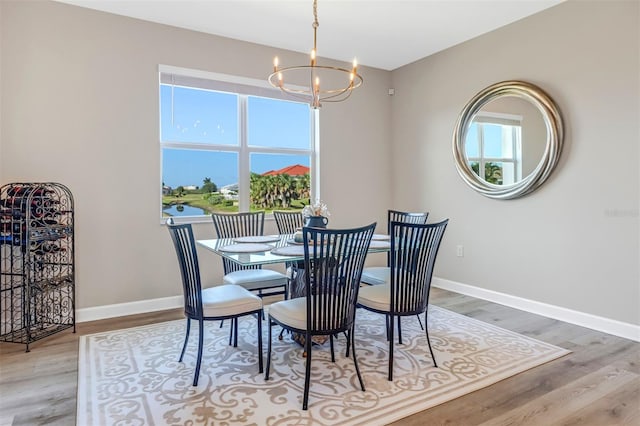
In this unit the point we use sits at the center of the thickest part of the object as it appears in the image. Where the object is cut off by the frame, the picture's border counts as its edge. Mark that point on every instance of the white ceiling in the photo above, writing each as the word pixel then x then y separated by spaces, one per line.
pixel 384 34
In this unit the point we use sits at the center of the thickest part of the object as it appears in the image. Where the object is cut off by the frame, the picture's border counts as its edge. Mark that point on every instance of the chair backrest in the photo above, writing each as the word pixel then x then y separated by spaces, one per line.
pixel 333 262
pixel 234 225
pixel 184 243
pixel 405 217
pixel 414 248
pixel 288 221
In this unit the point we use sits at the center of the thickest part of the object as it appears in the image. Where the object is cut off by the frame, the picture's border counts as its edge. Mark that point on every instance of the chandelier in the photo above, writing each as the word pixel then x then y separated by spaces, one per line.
pixel 325 83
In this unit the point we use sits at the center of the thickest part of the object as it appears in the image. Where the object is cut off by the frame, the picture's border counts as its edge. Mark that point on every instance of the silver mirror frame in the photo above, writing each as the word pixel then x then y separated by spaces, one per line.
pixel 555 136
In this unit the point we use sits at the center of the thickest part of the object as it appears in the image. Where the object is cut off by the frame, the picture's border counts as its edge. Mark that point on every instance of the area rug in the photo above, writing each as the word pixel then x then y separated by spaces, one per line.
pixel 132 376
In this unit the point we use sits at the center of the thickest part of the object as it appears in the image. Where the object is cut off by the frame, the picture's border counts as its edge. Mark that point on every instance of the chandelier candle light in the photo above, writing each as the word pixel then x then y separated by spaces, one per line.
pixel 316 93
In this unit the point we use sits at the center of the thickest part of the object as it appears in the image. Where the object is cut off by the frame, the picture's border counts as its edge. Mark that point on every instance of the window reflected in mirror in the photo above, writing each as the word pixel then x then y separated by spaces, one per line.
pixel 494 145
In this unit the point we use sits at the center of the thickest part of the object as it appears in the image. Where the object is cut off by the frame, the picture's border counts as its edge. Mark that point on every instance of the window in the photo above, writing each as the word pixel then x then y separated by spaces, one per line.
pixel 494 145
pixel 230 144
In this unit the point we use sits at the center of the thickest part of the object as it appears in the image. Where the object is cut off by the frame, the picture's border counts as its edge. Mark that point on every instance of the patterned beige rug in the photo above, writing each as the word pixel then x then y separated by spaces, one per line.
pixel 132 376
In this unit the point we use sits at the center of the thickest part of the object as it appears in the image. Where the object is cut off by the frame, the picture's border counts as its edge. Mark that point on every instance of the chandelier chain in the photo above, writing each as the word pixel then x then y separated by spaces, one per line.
pixel 315 24
pixel 315 14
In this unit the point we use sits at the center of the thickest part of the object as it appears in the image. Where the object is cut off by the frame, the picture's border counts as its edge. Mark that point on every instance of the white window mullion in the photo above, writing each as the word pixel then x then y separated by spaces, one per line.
pixel 315 158
pixel 482 163
pixel 268 150
pixel 245 163
pixel 517 151
pixel 201 147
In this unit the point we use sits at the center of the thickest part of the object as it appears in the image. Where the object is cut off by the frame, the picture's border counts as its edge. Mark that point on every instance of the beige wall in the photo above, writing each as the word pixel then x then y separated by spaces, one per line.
pixel 80 106
pixel 574 242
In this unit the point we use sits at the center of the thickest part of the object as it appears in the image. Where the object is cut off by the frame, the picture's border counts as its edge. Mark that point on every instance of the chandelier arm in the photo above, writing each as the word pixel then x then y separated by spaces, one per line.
pixel 299 96
pixel 358 80
pixel 332 97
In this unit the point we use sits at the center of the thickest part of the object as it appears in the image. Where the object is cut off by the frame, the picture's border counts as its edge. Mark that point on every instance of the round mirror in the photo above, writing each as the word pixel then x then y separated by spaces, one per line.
pixel 507 140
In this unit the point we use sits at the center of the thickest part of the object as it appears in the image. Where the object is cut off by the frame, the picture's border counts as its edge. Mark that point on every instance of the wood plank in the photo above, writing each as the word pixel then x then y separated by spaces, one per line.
pixel 552 407
pixel 506 395
pixel 621 407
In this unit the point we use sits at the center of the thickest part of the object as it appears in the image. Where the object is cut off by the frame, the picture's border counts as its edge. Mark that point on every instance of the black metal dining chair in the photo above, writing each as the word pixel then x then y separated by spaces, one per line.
pixel 414 248
pixel 333 262
pixel 376 275
pixel 210 304
pixel 288 221
pixel 254 278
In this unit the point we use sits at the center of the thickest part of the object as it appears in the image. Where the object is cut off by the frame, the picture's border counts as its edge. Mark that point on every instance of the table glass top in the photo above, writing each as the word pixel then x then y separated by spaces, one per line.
pixel 252 257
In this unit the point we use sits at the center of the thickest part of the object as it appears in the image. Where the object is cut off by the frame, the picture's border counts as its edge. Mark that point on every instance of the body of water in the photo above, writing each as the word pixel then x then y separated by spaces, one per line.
pixel 184 210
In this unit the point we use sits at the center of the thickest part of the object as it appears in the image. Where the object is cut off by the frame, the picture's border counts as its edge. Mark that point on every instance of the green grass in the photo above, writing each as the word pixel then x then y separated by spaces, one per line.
pixel 196 200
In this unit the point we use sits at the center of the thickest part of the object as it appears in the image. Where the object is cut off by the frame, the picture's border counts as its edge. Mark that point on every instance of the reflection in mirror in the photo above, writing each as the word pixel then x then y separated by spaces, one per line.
pixel 507 140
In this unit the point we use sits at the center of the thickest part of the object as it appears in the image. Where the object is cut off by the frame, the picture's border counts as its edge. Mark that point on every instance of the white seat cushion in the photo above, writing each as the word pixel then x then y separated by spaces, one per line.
pixel 375 297
pixel 292 312
pixel 224 300
pixel 254 279
pixel 376 275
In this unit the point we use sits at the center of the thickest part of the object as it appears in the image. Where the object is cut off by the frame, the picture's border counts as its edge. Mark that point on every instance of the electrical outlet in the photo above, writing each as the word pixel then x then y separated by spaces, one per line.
pixel 460 251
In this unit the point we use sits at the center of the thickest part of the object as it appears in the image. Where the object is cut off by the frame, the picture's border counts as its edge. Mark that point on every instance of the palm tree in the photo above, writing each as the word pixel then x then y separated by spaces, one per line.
pixel 493 173
pixel 259 188
pixel 283 189
pixel 208 186
pixel 304 187
pixel 277 191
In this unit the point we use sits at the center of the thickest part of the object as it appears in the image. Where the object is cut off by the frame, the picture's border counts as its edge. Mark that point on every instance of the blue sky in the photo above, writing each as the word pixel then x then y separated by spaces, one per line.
pixel 492 141
pixel 206 117
pixel 191 167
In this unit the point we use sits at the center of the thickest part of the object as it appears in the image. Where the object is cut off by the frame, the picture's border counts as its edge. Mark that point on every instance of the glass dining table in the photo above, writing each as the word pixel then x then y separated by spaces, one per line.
pixel 271 249
pixel 274 249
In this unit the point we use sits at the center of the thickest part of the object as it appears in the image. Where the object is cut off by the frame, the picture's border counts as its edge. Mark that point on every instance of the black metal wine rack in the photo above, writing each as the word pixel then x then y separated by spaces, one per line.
pixel 37 261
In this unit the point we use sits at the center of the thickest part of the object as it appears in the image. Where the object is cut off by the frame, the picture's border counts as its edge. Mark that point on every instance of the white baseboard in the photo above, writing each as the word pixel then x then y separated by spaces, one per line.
pixel 606 325
pixel 130 308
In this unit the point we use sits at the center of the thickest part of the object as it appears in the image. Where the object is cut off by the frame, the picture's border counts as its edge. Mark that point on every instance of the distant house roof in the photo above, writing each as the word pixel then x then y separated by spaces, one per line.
pixel 230 187
pixel 295 170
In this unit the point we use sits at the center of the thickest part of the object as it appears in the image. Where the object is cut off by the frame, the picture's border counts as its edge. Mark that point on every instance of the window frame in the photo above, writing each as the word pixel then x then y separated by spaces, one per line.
pixel 502 120
pixel 255 87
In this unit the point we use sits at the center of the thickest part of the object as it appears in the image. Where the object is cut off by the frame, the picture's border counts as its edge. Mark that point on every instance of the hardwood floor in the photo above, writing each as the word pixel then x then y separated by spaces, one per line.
pixel 597 384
